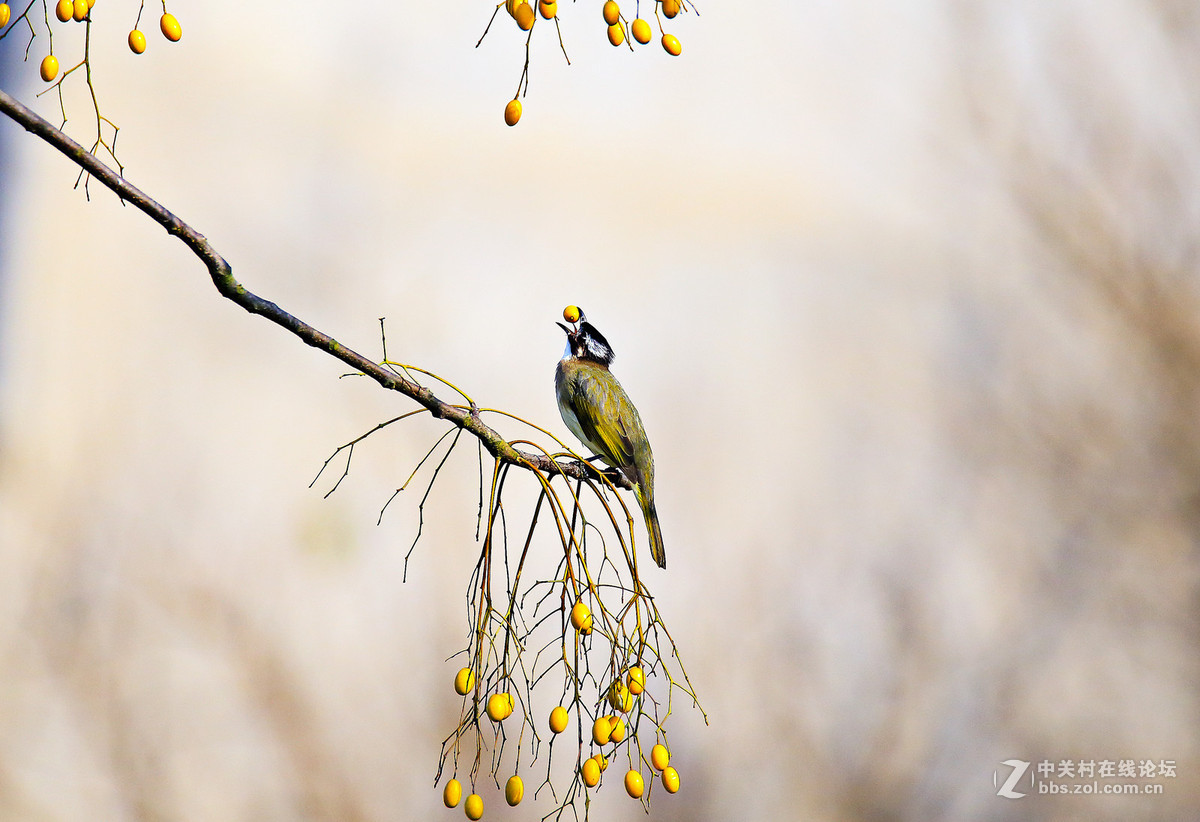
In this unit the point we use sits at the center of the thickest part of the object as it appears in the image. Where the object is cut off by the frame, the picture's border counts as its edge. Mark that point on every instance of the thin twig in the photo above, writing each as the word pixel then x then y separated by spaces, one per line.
pixel 221 274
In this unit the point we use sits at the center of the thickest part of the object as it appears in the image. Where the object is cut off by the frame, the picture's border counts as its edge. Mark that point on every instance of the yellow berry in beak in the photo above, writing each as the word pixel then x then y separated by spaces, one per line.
pixel 572 313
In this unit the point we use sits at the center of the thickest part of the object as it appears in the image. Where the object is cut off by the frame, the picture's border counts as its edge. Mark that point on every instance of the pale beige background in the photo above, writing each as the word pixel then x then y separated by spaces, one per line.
pixel 906 294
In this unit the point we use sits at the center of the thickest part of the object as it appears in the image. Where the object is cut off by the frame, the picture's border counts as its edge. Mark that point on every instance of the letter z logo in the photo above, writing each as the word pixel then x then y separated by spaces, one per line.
pixel 1019 766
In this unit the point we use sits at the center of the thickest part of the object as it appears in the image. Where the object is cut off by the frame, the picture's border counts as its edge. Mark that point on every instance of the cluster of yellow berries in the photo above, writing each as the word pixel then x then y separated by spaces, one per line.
pixel 76 10
pixel 167 24
pixel 499 708
pixel 79 11
pixel 514 792
pixel 522 12
pixel 610 729
pixel 639 28
pixel 635 784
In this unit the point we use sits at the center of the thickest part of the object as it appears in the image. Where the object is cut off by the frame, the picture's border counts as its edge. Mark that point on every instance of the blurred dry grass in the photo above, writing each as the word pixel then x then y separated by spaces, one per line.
pixel 907 297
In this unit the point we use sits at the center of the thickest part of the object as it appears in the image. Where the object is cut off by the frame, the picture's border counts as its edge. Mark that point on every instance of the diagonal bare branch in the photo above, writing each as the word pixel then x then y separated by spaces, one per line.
pixel 466 418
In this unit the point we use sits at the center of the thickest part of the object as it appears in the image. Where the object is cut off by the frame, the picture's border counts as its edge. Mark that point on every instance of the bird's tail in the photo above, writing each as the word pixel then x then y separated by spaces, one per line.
pixel 646 501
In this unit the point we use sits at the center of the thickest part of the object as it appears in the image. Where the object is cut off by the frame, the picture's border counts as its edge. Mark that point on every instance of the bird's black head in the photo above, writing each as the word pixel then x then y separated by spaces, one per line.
pixel 586 343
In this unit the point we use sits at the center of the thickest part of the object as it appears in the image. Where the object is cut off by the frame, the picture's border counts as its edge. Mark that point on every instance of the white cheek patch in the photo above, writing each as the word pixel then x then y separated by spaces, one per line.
pixel 598 350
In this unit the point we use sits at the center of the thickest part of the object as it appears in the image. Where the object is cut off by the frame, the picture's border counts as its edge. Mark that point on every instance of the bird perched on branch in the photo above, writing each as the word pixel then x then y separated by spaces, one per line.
pixel 599 412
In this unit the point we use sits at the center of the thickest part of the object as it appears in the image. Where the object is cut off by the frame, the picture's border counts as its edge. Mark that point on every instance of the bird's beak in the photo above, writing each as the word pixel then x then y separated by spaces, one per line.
pixel 574 326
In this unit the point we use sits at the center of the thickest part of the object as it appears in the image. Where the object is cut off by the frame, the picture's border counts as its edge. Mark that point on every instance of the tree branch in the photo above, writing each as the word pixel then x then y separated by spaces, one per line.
pixel 222 276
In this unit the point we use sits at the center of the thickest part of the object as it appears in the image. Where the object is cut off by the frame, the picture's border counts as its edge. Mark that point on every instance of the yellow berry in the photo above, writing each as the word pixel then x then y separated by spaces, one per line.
pixel 590 771
pixel 452 793
pixel 612 12
pixel 80 10
pixel 464 680
pixel 620 697
pixel 634 784
pixel 558 719
pixel 5 13
pixel 511 6
pixel 512 112
pixel 616 694
pixel 170 27
pixel 524 16
pixel 581 617
pixel 641 31
pixel 91 4
pixel 572 313
pixel 474 806
pixel 602 761
pixel 618 728
pixel 660 757
pixel 137 42
pixel 670 7
pixel 670 778
pixel 616 35
pixel 548 10
pixel 671 43
pixel 514 790
pixel 49 68
pixel 636 680
pixel 601 730
pixel 500 707
pixel 65 10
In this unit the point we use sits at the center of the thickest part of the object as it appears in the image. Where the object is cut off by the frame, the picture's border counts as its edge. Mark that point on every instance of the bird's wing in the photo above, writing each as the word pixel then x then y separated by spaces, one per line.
pixel 612 441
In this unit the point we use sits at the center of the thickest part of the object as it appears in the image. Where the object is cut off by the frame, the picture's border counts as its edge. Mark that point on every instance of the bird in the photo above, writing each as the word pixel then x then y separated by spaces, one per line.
pixel 597 410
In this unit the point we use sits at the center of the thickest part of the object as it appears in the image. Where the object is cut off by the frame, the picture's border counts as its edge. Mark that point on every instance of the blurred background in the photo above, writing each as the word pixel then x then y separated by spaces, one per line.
pixel 906 294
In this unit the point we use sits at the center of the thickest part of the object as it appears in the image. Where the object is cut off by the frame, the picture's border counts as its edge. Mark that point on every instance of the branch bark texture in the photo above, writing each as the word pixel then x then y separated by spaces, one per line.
pixel 222 277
